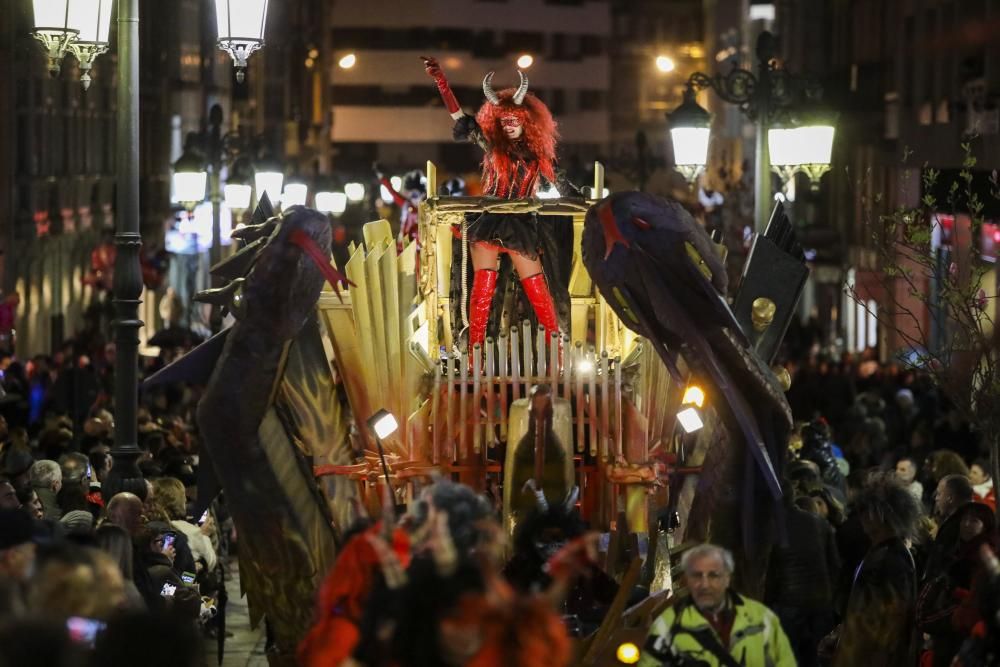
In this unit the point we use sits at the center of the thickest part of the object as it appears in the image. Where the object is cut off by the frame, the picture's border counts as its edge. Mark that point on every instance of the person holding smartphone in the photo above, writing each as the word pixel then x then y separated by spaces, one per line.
pixel 163 588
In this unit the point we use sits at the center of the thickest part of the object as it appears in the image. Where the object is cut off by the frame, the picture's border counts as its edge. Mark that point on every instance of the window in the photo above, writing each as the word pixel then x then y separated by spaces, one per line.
pixel 592 100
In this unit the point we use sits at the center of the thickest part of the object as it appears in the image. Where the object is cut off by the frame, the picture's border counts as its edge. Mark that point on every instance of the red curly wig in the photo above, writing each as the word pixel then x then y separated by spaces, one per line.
pixel 539 137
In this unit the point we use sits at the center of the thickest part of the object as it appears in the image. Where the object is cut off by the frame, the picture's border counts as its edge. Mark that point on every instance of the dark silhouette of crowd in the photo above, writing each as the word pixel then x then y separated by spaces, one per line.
pixel 91 580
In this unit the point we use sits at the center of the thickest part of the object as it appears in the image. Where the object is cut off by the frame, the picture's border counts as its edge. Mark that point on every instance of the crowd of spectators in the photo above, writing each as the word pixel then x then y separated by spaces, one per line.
pixel 91 579
pixel 889 517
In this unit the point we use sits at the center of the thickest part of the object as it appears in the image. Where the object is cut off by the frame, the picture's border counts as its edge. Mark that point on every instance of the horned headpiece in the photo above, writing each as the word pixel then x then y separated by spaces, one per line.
pixel 491 95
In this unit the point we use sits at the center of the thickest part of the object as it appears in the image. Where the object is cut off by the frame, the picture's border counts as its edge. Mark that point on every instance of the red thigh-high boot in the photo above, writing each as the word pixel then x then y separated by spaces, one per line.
pixel 537 291
pixel 484 283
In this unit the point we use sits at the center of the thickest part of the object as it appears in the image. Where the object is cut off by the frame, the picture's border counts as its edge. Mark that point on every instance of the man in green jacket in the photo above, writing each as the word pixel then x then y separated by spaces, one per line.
pixel 715 626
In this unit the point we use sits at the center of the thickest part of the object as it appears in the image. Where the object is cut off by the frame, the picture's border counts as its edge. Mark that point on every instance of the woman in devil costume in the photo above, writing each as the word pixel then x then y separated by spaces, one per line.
pixel 518 135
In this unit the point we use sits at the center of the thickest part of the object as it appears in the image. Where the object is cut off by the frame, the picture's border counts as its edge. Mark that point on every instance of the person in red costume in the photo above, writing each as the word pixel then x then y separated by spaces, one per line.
pixel 414 188
pixel 518 136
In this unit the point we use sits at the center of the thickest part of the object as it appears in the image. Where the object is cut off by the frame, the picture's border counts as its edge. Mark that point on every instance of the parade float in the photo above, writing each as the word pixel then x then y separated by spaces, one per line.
pixel 347 387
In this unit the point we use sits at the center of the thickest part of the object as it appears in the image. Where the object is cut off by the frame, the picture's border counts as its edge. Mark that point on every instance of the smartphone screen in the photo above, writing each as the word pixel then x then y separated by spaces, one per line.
pixel 187 577
pixel 83 630
pixel 168 590
pixel 168 540
pixel 203 519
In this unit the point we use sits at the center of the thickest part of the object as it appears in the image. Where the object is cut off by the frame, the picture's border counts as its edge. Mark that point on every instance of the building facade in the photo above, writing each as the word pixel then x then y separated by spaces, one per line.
pixel 385 108
pixel 913 80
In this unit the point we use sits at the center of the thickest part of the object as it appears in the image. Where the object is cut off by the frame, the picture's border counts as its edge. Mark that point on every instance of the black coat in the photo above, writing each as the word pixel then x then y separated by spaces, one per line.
pixel 803 574
pixel 880 624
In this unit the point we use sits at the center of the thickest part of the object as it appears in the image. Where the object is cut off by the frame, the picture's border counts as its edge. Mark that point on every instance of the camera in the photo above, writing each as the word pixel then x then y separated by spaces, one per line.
pixel 168 590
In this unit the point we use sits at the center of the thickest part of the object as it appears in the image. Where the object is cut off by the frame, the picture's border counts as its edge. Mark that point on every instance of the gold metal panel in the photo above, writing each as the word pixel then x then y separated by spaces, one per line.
pixel 519 423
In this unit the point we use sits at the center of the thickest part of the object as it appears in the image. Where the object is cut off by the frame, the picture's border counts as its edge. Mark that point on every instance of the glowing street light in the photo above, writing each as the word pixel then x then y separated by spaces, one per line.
pixel 241 29
pixel 690 133
pixel 665 64
pixel 331 202
pixel 295 194
pixel 190 177
pixel 355 191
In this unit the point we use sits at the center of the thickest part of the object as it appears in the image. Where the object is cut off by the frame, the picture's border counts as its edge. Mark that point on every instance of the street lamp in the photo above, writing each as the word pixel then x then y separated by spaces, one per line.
pixel 355 191
pixel 665 64
pixel 268 178
pixel 190 177
pixel 767 97
pixel 689 133
pixel 383 424
pixel 54 29
pixel 295 194
pixel 241 30
pixel 93 20
pixel 805 149
pixel 238 189
pixel 333 203
pixel 79 27
pixel 689 416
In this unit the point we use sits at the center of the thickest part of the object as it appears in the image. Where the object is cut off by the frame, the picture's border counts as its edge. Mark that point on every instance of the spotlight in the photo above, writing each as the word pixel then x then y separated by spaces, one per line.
pixel 627 653
pixel 383 423
pixel 690 420
pixel 693 395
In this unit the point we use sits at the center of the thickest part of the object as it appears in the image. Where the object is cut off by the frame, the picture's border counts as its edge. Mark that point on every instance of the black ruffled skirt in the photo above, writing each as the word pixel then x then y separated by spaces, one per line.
pixel 515 233
pixel 547 237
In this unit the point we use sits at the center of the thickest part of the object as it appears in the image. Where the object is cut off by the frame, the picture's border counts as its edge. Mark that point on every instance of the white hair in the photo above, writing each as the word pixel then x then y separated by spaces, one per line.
pixel 703 550
pixel 45 473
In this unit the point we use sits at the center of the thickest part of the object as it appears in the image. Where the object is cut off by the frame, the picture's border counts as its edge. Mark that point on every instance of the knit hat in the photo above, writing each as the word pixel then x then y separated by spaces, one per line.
pixel 16 461
pixel 16 527
pixel 78 522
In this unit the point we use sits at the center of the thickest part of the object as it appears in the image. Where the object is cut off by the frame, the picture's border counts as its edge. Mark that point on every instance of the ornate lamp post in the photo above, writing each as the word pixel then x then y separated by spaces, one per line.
pixel 241 29
pixel 125 474
pixel 92 40
pixel 767 98
pixel 79 27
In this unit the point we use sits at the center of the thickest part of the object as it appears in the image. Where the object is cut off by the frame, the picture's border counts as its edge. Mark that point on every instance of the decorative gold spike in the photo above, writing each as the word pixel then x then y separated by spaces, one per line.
pixel 784 378
pixel 698 260
pixel 763 313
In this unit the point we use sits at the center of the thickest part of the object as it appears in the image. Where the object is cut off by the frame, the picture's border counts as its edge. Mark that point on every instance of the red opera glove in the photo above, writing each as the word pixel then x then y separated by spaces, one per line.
pixel 434 70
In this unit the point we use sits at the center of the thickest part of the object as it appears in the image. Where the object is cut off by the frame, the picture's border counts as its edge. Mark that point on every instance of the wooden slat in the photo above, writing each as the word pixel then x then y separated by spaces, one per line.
pixel 435 422
pixel 477 356
pixel 540 352
pixel 504 373
pixel 463 374
pixel 619 447
pixel 515 362
pixel 490 398
pixel 592 404
pixel 554 363
pixel 449 379
pixel 580 398
pixel 529 365
pixel 603 429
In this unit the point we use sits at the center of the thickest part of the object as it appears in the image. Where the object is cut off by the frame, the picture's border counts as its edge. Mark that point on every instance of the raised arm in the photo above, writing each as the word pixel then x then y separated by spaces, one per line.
pixel 434 70
pixel 466 128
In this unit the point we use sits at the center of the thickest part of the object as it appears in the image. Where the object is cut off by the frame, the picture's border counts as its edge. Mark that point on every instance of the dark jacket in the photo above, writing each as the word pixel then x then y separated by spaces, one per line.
pixel 944 548
pixel 879 627
pixel 159 571
pixel 803 573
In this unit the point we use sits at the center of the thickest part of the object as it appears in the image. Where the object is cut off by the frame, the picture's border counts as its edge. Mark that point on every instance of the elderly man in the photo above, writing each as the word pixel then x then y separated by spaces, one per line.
pixel 46 478
pixel 716 625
